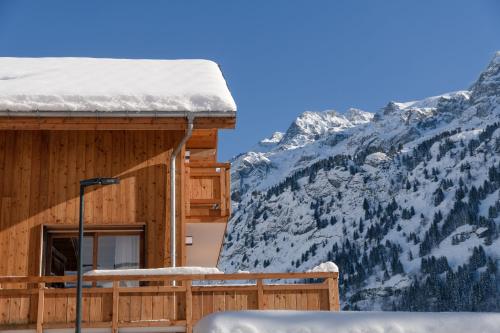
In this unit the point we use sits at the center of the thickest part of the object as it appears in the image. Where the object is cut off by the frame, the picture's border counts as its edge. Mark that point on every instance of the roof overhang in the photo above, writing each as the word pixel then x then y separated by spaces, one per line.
pixel 116 122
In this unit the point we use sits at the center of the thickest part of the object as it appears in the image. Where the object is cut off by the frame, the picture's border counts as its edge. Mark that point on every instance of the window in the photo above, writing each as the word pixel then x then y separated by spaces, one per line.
pixel 110 248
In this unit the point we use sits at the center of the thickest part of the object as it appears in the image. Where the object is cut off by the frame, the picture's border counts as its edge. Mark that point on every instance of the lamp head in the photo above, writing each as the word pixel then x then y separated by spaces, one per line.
pixel 99 181
pixel 110 181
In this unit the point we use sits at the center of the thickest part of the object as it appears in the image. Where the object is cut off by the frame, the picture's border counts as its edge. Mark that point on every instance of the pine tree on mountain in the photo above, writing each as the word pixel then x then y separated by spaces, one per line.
pixel 333 220
pixel 438 196
pixel 460 193
pixel 386 275
pixel 478 258
pixel 366 205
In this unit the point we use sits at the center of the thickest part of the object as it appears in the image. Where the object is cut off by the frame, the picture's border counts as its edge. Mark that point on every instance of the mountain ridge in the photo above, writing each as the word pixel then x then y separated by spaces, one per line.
pixel 406 200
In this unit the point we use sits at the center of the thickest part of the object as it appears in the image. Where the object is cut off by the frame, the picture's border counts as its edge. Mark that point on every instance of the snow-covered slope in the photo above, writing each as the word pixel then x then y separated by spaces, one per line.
pixel 405 200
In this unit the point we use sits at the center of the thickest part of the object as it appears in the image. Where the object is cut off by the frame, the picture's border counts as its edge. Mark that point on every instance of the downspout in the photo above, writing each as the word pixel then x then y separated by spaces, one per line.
pixel 173 242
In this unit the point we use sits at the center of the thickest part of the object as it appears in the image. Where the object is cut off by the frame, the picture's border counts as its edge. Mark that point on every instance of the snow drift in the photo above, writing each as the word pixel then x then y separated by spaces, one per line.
pixel 347 322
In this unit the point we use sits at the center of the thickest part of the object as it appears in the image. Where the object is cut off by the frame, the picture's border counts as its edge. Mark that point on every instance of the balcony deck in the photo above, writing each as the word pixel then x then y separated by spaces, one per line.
pixel 30 303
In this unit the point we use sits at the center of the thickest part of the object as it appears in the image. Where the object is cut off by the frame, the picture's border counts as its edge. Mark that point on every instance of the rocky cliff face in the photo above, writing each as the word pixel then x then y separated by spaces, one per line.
pixel 406 201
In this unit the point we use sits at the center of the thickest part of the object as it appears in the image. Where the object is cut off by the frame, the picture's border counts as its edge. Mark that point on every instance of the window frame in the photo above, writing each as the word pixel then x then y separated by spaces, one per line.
pixel 50 232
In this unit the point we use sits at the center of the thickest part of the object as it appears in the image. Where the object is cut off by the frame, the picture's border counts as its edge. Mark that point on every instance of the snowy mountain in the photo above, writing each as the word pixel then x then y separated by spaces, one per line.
pixel 405 200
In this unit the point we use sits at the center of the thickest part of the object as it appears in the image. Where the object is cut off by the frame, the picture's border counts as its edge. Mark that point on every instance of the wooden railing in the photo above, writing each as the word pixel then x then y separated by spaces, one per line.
pixel 30 302
pixel 208 192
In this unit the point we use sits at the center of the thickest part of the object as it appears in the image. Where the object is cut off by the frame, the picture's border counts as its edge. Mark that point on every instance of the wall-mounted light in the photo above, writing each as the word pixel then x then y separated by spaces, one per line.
pixel 189 240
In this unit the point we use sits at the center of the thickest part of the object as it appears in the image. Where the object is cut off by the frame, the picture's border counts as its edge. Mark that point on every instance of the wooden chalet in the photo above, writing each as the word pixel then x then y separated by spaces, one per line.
pixel 153 124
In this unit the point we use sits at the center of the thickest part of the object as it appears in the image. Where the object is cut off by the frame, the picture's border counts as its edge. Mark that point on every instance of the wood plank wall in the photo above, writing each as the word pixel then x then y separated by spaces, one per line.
pixel 39 184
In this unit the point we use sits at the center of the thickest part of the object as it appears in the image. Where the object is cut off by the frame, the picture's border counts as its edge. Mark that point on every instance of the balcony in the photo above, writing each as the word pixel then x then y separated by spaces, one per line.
pixel 208 192
pixel 30 303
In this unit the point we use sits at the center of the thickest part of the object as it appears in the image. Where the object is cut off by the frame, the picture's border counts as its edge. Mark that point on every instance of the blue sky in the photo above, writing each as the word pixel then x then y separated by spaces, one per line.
pixel 280 57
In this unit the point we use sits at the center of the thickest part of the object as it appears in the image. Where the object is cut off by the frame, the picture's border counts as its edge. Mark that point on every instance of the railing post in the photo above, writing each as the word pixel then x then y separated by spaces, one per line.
pixel 116 307
pixel 223 194
pixel 228 191
pixel 189 306
pixel 40 307
pixel 333 293
pixel 260 295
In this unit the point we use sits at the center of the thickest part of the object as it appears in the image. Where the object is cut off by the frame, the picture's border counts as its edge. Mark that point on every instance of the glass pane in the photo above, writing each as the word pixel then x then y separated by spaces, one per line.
pixel 64 256
pixel 118 252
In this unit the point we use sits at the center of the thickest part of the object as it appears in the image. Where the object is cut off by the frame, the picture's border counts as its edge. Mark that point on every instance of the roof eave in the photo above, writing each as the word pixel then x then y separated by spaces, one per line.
pixel 113 114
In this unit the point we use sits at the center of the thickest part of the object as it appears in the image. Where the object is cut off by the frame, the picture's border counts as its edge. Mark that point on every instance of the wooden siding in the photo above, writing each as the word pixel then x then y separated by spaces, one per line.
pixel 161 304
pixel 39 184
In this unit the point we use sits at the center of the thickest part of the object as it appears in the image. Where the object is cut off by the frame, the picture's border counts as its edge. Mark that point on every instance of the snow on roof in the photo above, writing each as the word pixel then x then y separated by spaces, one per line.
pixel 163 87
pixel 348 322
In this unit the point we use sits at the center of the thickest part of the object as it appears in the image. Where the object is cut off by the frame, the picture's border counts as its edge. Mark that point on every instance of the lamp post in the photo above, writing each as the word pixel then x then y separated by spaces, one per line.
pixel 83 184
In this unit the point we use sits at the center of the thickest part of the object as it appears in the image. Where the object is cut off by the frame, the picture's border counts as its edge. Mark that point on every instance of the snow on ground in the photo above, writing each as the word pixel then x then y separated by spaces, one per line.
pixel 156 271
pixel 112 85
pixel 348 322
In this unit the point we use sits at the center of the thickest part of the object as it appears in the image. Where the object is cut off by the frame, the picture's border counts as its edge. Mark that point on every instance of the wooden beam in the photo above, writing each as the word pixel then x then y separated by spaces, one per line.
pixel 18 292
pixel 209 165
pixel 94 324
pixel 331 294
pixel 156 323
pixel 334 287
pixel 260 295
pixel 205 201
pixel 223 195
pixel 227 287
pixel 228 192
pixel 206 219
pixel 116 307
pixel 189 307
pixel 301 286
pixel 40 308
pixel 152 289
pixel 179 277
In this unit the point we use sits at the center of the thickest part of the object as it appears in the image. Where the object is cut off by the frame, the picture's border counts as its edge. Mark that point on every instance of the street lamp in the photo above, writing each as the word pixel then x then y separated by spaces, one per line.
pixel 83 184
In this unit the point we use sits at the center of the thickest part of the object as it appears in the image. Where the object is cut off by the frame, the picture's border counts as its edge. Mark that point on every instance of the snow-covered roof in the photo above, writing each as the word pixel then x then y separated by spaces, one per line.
pixel 113 87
